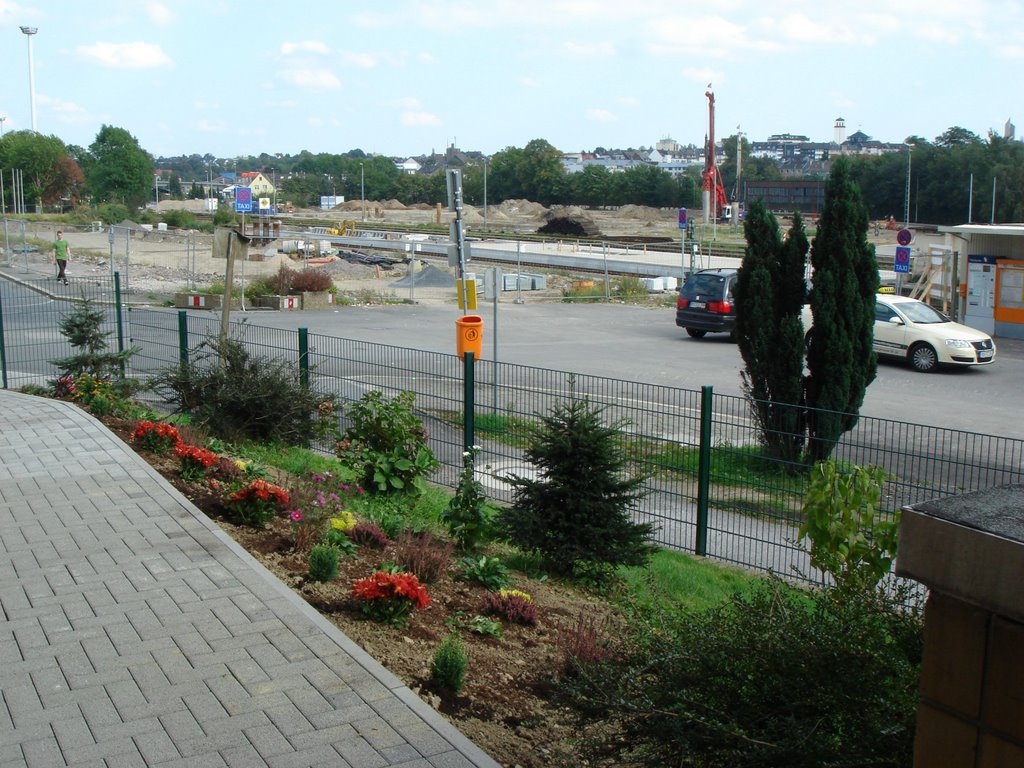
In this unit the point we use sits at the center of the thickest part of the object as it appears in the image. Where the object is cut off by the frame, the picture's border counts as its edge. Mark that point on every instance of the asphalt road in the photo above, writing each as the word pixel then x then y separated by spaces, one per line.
pixel 643 344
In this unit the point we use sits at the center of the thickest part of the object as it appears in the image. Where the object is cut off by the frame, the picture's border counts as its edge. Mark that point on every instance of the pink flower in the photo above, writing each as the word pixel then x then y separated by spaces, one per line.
pixel 295 515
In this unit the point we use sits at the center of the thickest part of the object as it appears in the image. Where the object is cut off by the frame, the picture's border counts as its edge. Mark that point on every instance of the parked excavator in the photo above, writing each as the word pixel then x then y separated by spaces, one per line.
pixel 343 228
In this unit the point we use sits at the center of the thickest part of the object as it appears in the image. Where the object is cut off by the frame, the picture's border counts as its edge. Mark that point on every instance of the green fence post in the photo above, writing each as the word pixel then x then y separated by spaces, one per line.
pixel 3 345
pixel 468 406
pixel 304 357
pixel 183 338
pixel 120 319
pixel 700 545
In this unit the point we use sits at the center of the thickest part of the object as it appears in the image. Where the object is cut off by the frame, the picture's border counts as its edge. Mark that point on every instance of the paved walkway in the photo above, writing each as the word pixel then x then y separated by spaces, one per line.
pixel 134 632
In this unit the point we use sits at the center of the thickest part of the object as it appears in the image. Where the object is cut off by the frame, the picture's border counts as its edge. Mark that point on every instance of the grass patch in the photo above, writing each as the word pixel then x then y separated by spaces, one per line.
pixel 296 461
pixel 673 581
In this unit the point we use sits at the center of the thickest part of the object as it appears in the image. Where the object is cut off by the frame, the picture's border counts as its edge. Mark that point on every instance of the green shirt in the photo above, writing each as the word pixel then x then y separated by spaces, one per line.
pixel 60 250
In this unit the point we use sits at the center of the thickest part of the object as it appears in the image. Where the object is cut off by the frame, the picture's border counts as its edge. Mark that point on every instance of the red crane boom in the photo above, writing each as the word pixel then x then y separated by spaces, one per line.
pixel 712 180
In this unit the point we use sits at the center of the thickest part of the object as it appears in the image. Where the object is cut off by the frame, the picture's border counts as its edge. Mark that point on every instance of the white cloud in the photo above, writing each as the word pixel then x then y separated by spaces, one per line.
pixel 529 82
pixel 602 50
pixel 315 122
pixel 126 55
pixel 406 102
pixel 65 111
pixel 210 126
pixel 601 115
pixel 206 104
pixel 420 118
pixel 360 60
pixel 305 46
pixel 312 79
pixel 159 14
pixel 629 101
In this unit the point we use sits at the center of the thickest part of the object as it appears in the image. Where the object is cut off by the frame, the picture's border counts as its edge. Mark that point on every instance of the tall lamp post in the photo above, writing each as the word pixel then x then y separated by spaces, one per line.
pixel 3 119
pixel 485 192
pixel 28 32
pixel 362 192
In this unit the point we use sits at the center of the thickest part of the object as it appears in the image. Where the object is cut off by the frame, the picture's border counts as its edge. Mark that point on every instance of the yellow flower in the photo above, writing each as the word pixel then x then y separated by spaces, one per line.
pixel 515 593
pixel 241 464
pixel 343 522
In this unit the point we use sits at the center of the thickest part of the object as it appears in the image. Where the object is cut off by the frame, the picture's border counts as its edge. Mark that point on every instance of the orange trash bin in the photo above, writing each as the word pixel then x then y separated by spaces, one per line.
pixel 469 335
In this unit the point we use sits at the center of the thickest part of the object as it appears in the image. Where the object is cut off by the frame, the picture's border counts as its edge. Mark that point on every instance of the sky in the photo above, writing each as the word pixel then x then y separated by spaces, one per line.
pixel 405 77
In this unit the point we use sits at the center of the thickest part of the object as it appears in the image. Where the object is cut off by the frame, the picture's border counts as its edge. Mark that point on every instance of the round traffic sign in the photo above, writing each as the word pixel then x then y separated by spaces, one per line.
pixel 904 236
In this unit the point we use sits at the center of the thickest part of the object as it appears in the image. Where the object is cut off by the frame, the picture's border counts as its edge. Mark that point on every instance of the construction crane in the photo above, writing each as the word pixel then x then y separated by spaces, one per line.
pixel 713 191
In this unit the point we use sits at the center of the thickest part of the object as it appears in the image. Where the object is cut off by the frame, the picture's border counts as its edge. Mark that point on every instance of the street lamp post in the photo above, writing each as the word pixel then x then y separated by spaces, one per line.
pixel 362 192
pixel 485 193
pixel 3 119
pixel 28 32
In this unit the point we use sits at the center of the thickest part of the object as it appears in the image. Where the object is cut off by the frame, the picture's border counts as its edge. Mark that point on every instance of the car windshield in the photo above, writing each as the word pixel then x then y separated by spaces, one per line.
pixel 919 312
pixel 703 285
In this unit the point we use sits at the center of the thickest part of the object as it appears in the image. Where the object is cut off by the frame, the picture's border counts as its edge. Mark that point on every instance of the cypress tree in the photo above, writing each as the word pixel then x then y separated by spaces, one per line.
pixel 840 359
pixel 769 297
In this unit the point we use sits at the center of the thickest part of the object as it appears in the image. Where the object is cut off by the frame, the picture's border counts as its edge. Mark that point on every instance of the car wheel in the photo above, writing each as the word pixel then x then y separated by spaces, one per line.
pixel 923 358
pixel 696 333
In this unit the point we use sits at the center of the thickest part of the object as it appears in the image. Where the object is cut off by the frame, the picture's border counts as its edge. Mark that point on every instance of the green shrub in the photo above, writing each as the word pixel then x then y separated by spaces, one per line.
pixel 386 443
pixel 239 396
pixel 849 540
pixel 323 563
pixel 776 677
pixel 467 516
pixel 224 217
pixel 578 509
pixel 111 213
pixel 180 219
pixel 630 287
pixel 448 668
pixel 488 572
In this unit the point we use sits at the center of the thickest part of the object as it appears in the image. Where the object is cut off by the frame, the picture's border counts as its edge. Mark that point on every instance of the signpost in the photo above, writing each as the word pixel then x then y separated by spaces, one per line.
pixel 243 200
pixel 901 264
pixel 902 261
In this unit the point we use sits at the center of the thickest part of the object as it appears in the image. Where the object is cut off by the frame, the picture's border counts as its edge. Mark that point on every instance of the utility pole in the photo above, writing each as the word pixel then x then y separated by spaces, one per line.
pixel 29 32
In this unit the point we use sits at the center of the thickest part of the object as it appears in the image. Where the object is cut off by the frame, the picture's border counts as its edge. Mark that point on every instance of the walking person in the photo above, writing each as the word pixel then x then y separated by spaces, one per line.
pixel 61 254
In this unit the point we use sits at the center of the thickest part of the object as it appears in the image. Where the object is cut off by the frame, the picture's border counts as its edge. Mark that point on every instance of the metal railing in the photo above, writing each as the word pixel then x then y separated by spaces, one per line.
pixel 709 488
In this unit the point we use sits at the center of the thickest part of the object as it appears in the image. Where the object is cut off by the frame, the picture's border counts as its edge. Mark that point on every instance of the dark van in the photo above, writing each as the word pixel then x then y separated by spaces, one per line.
pixel 705 303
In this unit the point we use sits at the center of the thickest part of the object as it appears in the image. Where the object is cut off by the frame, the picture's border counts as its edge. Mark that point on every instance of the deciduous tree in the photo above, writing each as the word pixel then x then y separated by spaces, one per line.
pixel 123 171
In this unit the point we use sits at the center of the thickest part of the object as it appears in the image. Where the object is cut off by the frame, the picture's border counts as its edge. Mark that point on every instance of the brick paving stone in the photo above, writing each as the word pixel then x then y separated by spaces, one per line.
pixel 137 633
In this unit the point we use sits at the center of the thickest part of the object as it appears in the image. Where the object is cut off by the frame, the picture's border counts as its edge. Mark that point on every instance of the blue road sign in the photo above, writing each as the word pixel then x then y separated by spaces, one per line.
pixel 682 218
pixel 902 261
pixel 243 200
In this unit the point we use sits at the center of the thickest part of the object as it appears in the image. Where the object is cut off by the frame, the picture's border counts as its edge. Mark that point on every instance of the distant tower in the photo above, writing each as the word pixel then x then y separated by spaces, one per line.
pixel 1009 130
pixel 839 131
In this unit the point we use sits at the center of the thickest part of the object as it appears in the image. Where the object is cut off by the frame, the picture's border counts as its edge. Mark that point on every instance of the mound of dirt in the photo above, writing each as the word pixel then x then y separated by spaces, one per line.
pixel 641 212
pixel 522 208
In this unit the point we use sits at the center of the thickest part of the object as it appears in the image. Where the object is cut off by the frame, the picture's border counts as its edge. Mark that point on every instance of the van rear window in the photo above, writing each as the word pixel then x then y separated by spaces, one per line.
pixel 704 285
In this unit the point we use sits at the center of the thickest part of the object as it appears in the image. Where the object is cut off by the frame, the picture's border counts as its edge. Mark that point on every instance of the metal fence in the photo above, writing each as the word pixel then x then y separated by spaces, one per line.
pixel 744 510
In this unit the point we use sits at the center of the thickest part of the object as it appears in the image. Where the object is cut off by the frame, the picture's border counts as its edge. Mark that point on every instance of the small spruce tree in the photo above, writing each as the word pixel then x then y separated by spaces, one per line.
pixel 82 327
pixel 577 512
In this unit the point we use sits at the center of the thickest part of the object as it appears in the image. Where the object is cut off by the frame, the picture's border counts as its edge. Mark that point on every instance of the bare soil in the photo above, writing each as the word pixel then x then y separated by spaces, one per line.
pixel 506 705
